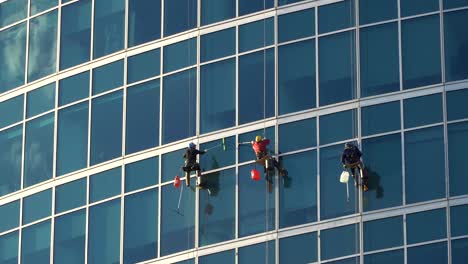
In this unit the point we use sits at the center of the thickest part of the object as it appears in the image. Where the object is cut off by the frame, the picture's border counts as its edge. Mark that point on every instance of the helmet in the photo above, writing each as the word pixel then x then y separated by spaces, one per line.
pixel 258 138
pixel 348 145
pixel 191 145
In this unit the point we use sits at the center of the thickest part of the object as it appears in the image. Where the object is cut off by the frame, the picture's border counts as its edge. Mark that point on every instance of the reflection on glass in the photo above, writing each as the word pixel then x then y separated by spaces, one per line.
pixel 458 216
pixel 456 101
pixel 296 25
pixel 11 144
pixel 338 126
pixel 38 150
pixel 459 251
pixel 251 6
pixel 373 123
pixel 9 248
pixel 12 11
pixel 455 45
pixel 180 55
pixel 72 138
pixel 371 11
pixel 390 228
pixel 225 257
pixel 389 257
pixel 12 111
pixel 437 253
pixel 35 243
pixel 73 88
pixel 144 65
pixel 339 241
pixel 174 22
pixel 141 227
pixel 411 7
pixel 297 135
pixel 70 195
pixel 38 6
pixel 42 46
pixel 141 14
pixel 420 226
pixel 11 210
pixel 141 174
pixel 105 184
pixel 299 249
pixel 336 16
pixel 417 112
pixel 218 44
pixel 104 233
pixel 69 238
pixel 217 207
pixel 75 34
pixel 12 54
pixel 249 38
pixel 108 77
pixel 252 204
pixel 298 192
pixel 109 27
pixel 253 84
pixel 40 100
pixel 37 206
pixel 258 253
pixel 217 10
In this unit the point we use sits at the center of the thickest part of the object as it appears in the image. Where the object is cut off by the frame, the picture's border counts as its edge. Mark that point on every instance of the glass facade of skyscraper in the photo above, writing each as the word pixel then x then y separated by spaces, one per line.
pixel 100 98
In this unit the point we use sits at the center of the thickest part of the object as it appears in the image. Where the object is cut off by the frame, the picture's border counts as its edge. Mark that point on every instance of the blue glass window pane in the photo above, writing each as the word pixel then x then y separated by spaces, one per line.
pixel 104 233
pixel 299 249
pixel 455 3
pixel 336 16
pixel 337 68
pixel 373 121
pixel 142 122
pixel 389 228
pixel 12 41
pixel 218 157
pixel 296 77
pixel 109 27
pixel 12 11
pixel 249 38
pixel 217 213
pixel 75 34
pixel 11 143
pixel 35 244
pixel 180 55
pixel 179 106
pixel 246 152
pixel 252 86
pixel 38 6
pixel 257 253
pixel 226 257
pixel 251 6
pixel 72 138
pixel 458 216
pixel 144 65
pixel 420 226
pixel 297 135
pixel 437 253
pixel 69 238
pixel 429 169
pixel 455 45
pixel 298 198
pixel 296 25
pixel 9 248
pixel 141 227
pixel 73 88
pixel 174 22
pixel 42 46
pixel 106 128
pixel 390 257
pixel 171 164
pixel 332 193
pixel 12 111
pixel 456 102
pixel 144 21
pixel 11 210
pixel 338 126
pixel 108 77
pixel 385 181
pixel 380 70
pixel 422 110
pixel 285 2
pixel 40 100
pixel 218 96
pixel 177 223
pixel 252 204
pixel 459 251
pixel 457 145
pixel 217 10
pixel 38 150
pixel 218 44
pixel 141 174
pixel 70 195
pixel 188 261
pixel 371 11
pixel 37 206
pixel 340 241
pixel 412 7
pixel 420 46
pixel 105 184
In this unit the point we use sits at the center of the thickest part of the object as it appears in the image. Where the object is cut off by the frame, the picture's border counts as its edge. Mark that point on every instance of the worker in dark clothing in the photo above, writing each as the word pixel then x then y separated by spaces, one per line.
pixel 259 146
pixel 351 159
pixel 191 163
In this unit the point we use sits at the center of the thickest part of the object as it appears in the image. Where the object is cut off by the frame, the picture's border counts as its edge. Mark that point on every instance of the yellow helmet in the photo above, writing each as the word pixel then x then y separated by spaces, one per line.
pixel 258 138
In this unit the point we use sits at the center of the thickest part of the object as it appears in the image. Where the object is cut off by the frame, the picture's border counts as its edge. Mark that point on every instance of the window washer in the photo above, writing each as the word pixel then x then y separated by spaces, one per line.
pixel 351 159
pixel 191 163
pixel 259 146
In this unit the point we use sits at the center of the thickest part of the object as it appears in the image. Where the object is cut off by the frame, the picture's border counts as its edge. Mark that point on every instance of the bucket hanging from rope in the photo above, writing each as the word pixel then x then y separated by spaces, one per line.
pixel 255 175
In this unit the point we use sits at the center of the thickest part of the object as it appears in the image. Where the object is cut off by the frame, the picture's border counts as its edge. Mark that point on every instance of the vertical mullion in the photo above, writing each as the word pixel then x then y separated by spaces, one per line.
pixel 122 212
pixel 404 240
pixel 400 51
pixel 59 34
pixel 237 76
pixel 91 51
pixel 126 26
pixel 20 229
pixel 442 41
pixel 26 65
pixel 159 208
pixel 87 220
pixel 52 226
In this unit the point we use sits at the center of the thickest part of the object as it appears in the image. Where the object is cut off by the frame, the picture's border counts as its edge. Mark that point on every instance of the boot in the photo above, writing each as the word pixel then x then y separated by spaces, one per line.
pixel 187 178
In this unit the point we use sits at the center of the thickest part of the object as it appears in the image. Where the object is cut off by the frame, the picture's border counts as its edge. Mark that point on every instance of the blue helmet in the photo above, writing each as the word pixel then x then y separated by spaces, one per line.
pixel 191 145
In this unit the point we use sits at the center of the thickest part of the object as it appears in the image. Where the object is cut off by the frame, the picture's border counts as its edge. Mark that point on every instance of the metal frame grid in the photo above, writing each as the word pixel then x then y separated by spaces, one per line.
pixel 275 235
